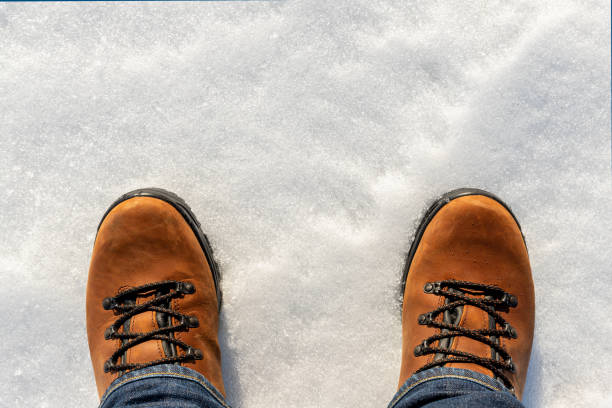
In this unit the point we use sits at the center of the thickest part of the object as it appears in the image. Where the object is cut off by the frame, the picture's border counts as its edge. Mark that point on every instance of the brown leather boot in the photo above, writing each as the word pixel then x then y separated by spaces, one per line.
pixel 468 291
pixel 153 290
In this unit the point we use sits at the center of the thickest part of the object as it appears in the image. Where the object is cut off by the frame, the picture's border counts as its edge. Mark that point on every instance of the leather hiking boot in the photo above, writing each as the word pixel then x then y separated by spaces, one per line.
pixel 153 290
pixel 468 292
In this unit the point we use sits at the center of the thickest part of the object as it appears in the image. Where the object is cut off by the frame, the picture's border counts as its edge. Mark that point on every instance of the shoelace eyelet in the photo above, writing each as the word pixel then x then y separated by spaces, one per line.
pixel 425 319
pixel 511 331
pixel 109 303
pixel 510 300
pixel 194 353
pixel 186 288
pixel 432 287
pixel 109 332
pixel 511 366
pixel 193 322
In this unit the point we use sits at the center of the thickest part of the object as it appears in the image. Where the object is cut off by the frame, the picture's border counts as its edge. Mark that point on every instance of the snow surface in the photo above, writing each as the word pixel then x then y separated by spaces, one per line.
pixel 308 137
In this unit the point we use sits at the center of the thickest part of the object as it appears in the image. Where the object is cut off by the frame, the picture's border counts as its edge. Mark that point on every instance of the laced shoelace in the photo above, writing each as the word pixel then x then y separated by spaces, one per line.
pixel 490 298
pixel 125 307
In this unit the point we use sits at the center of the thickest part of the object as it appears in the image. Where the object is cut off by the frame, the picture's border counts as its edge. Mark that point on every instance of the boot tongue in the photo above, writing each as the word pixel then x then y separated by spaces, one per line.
pixel 469 317
pixel 149 350
pixel 453 318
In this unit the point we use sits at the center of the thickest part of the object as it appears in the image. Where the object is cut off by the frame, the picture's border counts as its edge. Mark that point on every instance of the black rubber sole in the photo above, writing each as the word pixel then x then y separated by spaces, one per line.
pixel 433 210
pixel 182 207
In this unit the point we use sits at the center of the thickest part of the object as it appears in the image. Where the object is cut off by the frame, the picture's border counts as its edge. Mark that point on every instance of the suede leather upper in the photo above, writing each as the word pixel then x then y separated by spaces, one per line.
pixel 471 238
pixel 144 240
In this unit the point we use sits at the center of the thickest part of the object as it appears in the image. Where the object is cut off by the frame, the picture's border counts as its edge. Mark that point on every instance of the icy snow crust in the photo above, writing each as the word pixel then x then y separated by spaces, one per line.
pixel 308 137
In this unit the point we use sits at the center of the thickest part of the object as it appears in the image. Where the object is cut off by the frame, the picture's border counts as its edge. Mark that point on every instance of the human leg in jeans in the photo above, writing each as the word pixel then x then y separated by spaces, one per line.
pixel 468 312
pixel 153 306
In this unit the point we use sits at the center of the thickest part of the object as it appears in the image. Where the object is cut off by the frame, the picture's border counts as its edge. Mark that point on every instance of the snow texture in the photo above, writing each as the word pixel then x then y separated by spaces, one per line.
pixel 308 137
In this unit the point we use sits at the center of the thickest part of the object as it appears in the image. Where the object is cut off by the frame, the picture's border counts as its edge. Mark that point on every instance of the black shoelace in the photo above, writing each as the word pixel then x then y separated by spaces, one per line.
pixel 489 298
pixel 124 305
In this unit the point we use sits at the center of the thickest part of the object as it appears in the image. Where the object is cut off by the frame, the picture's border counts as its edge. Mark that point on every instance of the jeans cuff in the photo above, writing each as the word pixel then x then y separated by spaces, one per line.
pixel 437 373
pixel 164 370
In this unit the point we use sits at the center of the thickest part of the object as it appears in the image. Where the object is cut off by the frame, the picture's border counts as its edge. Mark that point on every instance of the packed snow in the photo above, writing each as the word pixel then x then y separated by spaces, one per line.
pixel 308 137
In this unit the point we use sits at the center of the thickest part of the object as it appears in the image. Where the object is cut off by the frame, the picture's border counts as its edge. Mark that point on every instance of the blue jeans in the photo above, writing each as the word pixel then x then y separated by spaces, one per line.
pixel 172 386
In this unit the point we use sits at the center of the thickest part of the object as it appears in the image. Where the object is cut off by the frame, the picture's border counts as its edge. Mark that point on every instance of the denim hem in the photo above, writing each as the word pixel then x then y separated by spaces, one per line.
pixel 436 373
pixel 164 370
